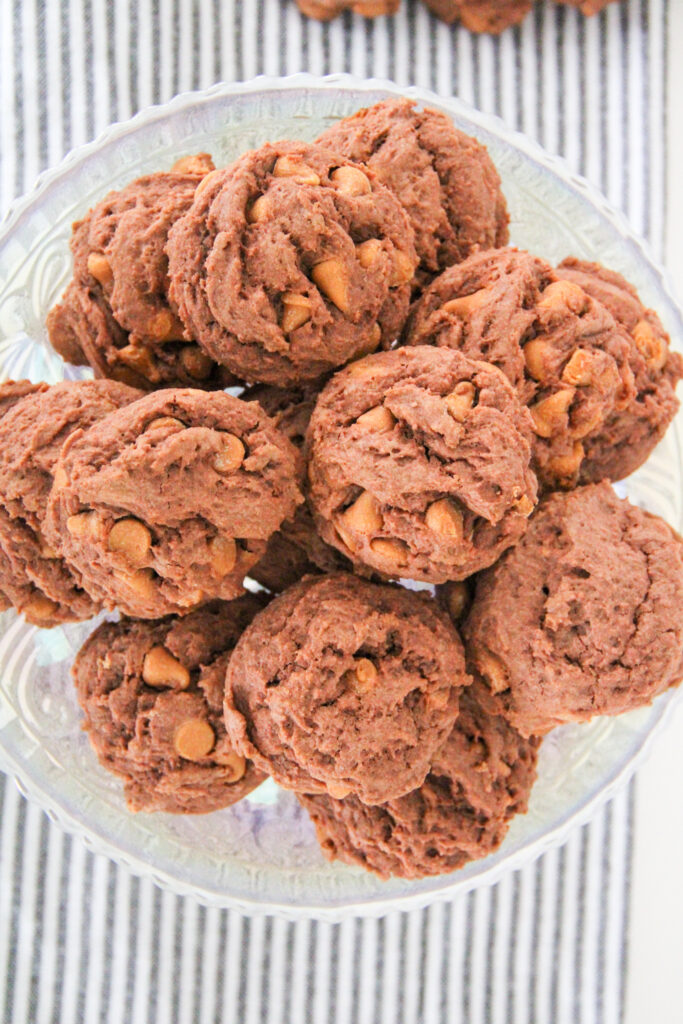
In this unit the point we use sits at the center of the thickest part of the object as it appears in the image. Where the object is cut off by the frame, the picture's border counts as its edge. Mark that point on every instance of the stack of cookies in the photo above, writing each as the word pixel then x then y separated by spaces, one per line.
pixel 410 400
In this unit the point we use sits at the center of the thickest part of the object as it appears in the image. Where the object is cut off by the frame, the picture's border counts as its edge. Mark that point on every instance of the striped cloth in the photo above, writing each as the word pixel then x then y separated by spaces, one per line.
pixel 82 940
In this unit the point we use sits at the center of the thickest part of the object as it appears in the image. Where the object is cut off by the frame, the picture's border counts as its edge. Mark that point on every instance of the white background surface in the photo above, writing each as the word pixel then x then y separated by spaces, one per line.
pixel 655 976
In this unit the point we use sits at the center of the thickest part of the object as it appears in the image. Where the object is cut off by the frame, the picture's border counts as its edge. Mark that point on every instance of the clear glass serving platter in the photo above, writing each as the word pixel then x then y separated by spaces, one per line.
pixel 261 856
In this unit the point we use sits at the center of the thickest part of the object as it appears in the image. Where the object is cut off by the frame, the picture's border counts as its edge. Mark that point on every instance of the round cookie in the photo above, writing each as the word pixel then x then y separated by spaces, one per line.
pixel 491 16
pixel 419 464
pixel 169 503
pixel 152 696
pixel 115 314
pixel 584 617
pixel 629 436
pixel 479 780
pixel 296 549
pixel 324 10
pixel 290 263
pixel 570 361
pixel 345 686
pixel 33 430
pixel 444 179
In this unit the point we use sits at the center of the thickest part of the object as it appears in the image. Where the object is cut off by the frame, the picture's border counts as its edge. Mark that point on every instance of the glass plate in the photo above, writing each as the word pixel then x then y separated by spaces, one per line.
pixel 261 856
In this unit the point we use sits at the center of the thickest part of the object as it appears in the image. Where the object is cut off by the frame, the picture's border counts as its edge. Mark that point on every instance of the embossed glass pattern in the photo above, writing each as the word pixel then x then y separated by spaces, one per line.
pixel 261 856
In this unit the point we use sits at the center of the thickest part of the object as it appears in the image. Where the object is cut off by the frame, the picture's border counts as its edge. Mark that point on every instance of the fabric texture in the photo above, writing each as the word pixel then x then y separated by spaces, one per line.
pixel 81 939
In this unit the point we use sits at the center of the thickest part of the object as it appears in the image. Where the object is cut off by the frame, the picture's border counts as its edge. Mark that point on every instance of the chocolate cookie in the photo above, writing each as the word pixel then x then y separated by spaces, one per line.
pixel 296 549
pixel 491 16
pixel 115 315
pixel 571 362
pixel 324 10
pixel 444 179
pixel 419 464
pixel 152 695
pixel 629 435
pixel 344 686
pixel 584 617
pixel 290 263
pixel 168 504
pixel 479 780
pixel 33 430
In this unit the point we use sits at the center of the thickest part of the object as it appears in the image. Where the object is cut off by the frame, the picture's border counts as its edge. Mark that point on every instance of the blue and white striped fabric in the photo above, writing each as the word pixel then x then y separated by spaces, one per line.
pixel 81 939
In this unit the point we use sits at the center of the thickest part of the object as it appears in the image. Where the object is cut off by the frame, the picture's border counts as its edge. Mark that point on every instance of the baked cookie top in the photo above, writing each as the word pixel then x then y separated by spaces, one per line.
pixel 478 780
pixel 170 503
pixel 600 396
pixel 444 179
pixel 584 617
pixel 419 464
pixel 290 263
pixel 344 686
pixel 152 697
pixel 115 314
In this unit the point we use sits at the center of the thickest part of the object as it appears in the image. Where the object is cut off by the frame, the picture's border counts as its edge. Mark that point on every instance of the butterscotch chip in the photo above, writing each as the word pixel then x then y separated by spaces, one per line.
pixel 175 521
pixel 152 696
pixel 166 423
pixel 550 414
pixel 196 163
pixel 444 179
pixel 444 518
pixel 480 778
pixel 447 490
pixel 337 700
pixel 265 270
pixel 587 576
pixel 351 181
pixel 100 268
pixel 332 280
pixel 231 455
pixel 160 668
pixel 300 172
pixel 194 739
pixel 366 674
pixel 364 515
pixel 223 555
pixel 115 315
pixel 296 311
pixel 130 538
pixel 379 419
pixel 461 400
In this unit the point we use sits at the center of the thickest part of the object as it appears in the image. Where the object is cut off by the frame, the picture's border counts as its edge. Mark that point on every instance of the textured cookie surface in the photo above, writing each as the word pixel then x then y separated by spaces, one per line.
pixel 33 430
pixel 344 686
pixel 419 464
pixel 115 314
pixel 290 263
pixel 169 503
pixel 598 408
pixel 152 695
pixel 629 435
pixel 444 179
pixel 479 779
pixel 585 616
